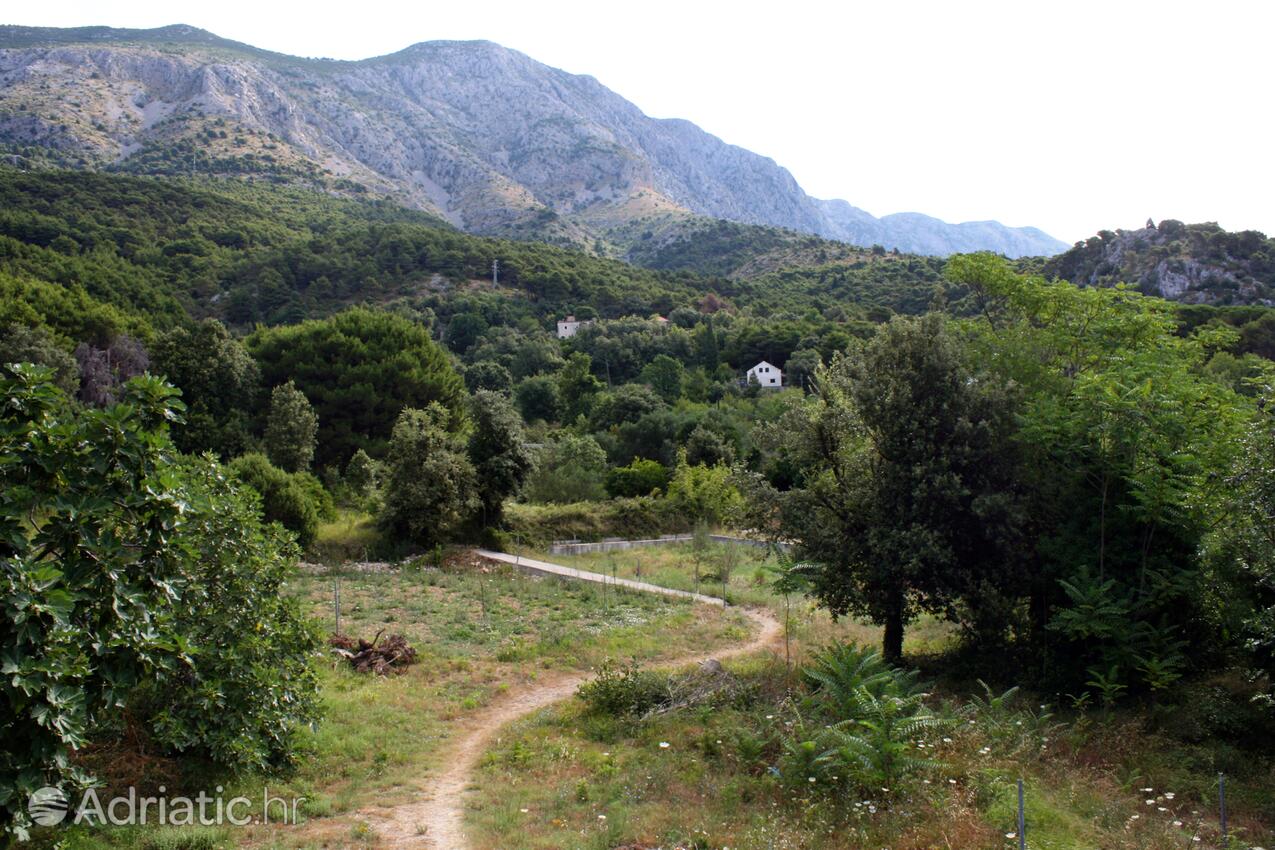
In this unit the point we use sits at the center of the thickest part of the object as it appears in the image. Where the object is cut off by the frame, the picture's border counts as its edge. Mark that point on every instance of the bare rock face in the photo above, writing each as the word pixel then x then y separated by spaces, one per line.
pixel 1192 263
pixel 484 136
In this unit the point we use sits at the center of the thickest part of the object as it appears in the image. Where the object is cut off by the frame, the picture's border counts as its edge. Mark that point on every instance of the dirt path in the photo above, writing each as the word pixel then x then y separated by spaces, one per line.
pixel 436 820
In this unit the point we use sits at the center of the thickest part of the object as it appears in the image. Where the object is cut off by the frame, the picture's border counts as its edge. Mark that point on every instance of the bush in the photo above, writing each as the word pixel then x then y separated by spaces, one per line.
pixel 248 686
pixel 629 518
pixel 875 713
pixel 141 572
pixel 639 478
pixel 705 493
pixel 297 501
pixel 570 469
pixel 624 690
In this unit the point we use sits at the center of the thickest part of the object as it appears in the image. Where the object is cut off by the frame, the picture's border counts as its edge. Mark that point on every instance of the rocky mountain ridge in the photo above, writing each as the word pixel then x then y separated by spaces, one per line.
pixel 481 135
pixel 1191 263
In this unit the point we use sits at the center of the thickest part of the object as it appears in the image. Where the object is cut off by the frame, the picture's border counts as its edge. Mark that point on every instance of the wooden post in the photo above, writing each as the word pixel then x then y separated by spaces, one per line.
pixel 1022 819
pixel 1221 801
pixel 336 603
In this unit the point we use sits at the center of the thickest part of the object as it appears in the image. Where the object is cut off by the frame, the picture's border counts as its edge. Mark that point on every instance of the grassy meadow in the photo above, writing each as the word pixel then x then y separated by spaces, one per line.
pixel 706 776
pixel 479 629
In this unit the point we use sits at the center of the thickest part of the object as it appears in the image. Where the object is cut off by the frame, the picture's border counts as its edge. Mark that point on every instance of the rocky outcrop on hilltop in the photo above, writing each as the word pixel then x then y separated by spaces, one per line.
pixel 1192 263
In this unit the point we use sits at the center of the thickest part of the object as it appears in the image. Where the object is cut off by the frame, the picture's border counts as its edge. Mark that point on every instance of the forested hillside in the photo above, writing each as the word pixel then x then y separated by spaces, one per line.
pixel 168 249
pixel 1192 263
pixel 484 136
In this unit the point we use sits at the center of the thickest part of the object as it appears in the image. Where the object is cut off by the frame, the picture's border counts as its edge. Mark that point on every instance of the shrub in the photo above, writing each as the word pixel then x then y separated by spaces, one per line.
pixel 875 712
pixel 142 571
pixel 570 469
pixel 639 478
pixel 248 686
pixel 704 493
pixel 296 501
pixel 638 517
pixel 624 690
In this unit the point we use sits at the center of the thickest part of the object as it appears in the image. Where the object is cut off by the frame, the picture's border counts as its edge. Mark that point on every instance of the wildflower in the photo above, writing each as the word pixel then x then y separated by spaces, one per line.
pixel 812 779
pixel 1168 795
pixel 1011 835
pixel 951 781
pixel 663 745
pixel 1150 802
pixel 1161 809
pixel 947 740
pixel 1134 817
pixel 1177 823
pixel 1148 790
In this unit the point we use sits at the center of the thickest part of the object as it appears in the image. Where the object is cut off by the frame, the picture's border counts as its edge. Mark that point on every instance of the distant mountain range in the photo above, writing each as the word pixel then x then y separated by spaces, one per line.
pixel 483 136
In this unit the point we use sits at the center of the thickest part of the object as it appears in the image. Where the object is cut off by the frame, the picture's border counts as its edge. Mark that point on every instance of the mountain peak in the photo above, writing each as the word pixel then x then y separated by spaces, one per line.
pixel 481 134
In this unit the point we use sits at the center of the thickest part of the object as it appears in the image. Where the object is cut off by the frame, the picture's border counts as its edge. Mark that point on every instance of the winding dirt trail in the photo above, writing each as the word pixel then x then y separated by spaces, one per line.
pixel 435 821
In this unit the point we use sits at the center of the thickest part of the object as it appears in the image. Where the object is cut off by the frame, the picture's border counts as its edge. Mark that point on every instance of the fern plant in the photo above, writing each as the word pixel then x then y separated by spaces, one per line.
pixel 877 749
pixel 840 671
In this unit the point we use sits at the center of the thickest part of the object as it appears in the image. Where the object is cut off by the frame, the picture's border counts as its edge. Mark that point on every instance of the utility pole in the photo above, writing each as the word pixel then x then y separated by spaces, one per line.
pixel 495 272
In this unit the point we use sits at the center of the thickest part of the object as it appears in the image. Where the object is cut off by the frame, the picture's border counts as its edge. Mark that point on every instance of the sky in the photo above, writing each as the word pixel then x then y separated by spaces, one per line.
pixel 1071 116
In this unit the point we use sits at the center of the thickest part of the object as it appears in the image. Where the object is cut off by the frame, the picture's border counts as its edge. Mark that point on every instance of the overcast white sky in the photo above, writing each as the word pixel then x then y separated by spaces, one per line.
pixel 1072 116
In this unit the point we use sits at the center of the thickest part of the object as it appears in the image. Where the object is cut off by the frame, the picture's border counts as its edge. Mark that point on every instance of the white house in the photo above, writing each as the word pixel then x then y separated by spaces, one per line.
pixel 766 375
pixel 569 326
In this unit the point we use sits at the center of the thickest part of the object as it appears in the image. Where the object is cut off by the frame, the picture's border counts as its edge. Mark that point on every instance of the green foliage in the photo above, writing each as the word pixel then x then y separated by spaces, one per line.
pixel 625 404
pixel 639 478
pixel 838 672
pixel 664 375
pixel 359 369
pixel 291 427
pixel 704 493
pixel 126 569
pixel 624 690
pixel 498 451
pixel 297 501
pixel 272 254
pixel 569 469
pixel 539 399
pixel 220 384
pixel 362 474
pixel 1243 549
pixel 22 344
pixel 431 487
pixel 1125 431
pixel 248 687
pixel 875 715
pixel 90 500
pixel 577 385
pixel 907 496
pixel 641 516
